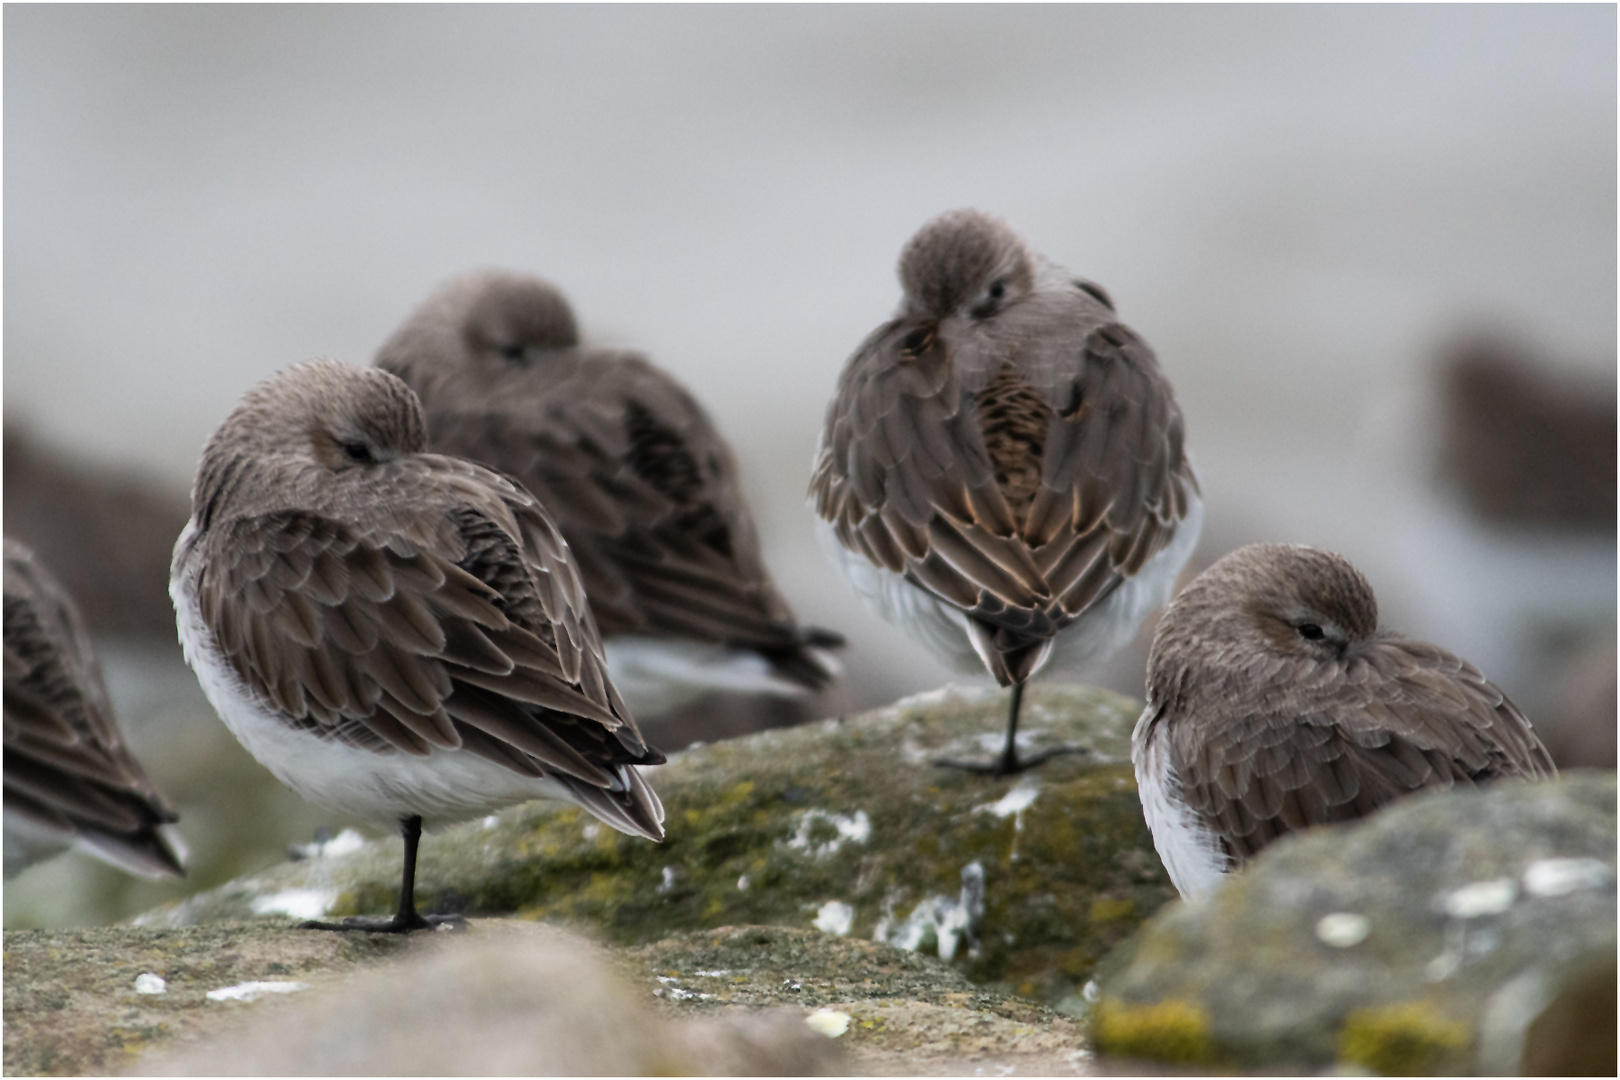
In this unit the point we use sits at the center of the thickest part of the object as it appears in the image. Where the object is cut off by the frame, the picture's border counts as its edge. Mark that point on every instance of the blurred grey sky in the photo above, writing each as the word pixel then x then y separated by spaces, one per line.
pixel 1294 205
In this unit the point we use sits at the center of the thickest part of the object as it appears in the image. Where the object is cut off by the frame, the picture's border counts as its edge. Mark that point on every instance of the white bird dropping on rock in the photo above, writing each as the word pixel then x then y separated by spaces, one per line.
pixel 828 1022
pixel 252 991
pixel 1343 929
pixel 148 983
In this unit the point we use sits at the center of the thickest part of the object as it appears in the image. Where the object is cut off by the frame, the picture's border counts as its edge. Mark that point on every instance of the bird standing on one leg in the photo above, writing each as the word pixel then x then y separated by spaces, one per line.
pixel 636 475
pixel 1275 703
pixel 69 779
pixel 401 637
pixel 1002 472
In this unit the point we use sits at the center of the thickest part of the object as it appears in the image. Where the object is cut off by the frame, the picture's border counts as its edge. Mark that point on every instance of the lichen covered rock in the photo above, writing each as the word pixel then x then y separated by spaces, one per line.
pixel 1449 933
pixel 893 1012
pixel 844 826
pixel 92 1001
pixel 506 997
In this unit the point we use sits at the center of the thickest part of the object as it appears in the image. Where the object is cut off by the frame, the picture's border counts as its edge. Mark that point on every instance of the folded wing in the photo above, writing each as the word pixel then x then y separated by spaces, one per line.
pixel 1018 475
pixel 470 633
pixel 67 769
pixel 1401 717
pixel 647 493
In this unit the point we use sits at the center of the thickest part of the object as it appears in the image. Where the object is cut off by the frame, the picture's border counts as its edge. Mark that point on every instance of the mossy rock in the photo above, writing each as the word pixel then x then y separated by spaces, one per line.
pixel 1174 1031
pixel 1449 933
pixel 843 825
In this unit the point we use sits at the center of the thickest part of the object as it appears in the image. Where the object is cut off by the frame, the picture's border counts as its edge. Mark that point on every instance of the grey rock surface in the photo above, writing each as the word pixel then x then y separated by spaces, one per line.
pixel 906 1014
pixel 843 826
pixel 506 997
pixel 1449 933
pixel 93 1001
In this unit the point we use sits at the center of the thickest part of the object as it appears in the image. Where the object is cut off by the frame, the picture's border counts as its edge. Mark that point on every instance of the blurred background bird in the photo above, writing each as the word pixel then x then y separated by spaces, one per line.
pixel 69 779
pixel 1308 208
pixel 637 477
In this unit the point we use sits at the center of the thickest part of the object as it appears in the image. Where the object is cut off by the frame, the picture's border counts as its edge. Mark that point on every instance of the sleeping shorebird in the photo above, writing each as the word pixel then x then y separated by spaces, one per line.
pixel 398 636
pixel 69 779
pixel 1274 703
pixel 637 477
pixel 1001 473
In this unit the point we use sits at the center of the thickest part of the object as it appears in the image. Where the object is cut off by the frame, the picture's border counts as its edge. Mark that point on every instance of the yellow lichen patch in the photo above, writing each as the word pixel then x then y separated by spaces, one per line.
pixel 1172 1031
pixel 1410 1039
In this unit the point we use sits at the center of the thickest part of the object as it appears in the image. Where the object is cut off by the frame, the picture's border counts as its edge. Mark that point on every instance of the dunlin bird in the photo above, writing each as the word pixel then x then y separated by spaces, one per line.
pixel 399 636
pixel 636 475
pixel 69 779
pixel 1274 702
pixel 1002 473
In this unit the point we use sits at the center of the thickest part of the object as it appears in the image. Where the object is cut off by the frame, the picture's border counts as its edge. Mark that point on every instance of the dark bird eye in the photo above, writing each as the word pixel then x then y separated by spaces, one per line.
pixel 993 296
pixel 512 352
pixel 918 340
pixel 1310 631
pixel 358 452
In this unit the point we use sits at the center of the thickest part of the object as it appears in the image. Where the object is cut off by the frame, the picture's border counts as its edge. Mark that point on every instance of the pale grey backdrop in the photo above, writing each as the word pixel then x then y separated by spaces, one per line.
pixel 1294 205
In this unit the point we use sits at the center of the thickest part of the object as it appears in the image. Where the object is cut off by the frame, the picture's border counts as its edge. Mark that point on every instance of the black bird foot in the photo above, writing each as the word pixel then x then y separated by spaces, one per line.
pixel 453 924
pixel 1009 764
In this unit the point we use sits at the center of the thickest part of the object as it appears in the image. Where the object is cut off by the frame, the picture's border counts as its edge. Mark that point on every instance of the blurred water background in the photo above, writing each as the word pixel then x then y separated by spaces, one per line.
pixel 1374 248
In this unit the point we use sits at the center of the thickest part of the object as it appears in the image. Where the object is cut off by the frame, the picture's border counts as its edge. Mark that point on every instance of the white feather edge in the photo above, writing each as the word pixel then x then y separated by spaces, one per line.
pixel 1187 848
pixel 656 675
pixel 942 628
pixel 29 841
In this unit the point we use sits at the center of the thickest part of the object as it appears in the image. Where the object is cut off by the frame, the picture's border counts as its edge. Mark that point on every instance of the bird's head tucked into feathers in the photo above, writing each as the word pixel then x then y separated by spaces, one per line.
pixel 488 321
pixel 322 414
pixel 511 317
pixel 964 260
pixel 1287 601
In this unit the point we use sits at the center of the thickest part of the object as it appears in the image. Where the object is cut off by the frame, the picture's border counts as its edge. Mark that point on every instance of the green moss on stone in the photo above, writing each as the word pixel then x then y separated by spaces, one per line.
pixel 1174 1031
pixel 1409 1039
pixel 770 828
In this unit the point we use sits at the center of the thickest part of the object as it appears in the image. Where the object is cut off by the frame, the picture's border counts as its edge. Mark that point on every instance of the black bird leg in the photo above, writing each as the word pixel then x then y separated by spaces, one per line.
pixel 406 918
pixel 1009 763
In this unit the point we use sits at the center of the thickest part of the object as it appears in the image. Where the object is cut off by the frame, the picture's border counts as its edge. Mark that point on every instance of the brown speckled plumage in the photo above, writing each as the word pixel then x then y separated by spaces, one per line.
pixel 1004 443
pixel 399 601
pixel 634 471
pixel 929 461
pixel 68 773
pixel 1280 703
